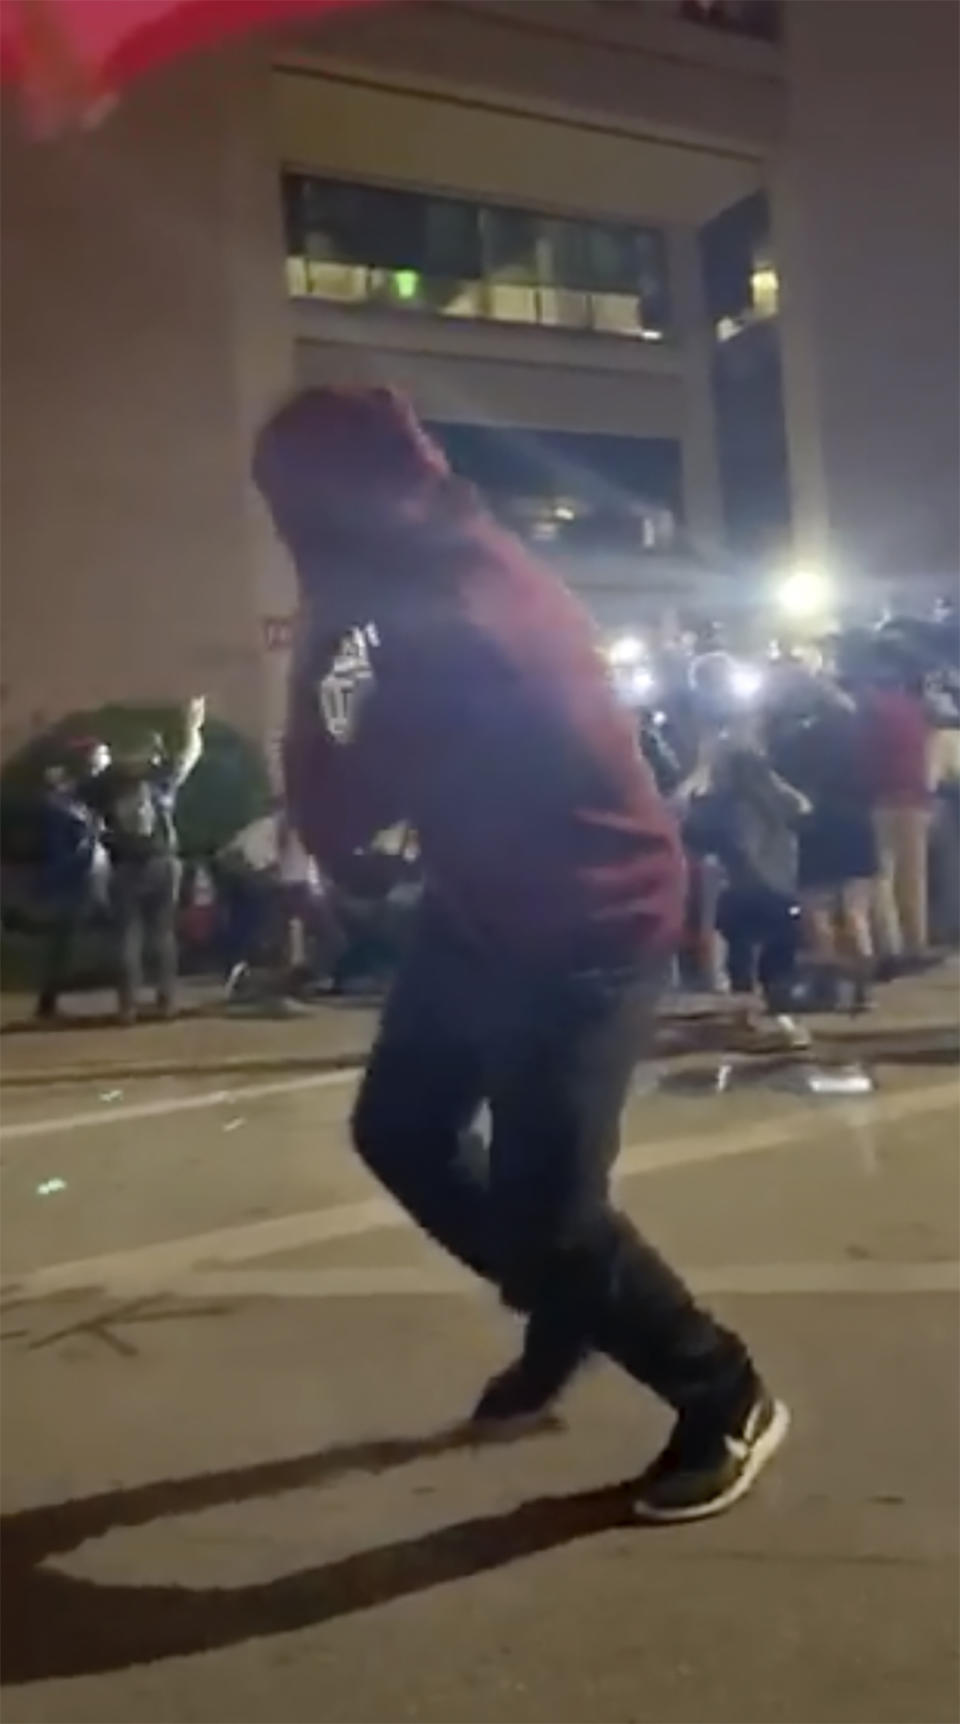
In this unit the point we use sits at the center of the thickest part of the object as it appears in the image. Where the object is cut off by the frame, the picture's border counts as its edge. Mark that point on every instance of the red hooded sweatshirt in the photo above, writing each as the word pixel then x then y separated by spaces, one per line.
pixel 491 724
pixel 894 748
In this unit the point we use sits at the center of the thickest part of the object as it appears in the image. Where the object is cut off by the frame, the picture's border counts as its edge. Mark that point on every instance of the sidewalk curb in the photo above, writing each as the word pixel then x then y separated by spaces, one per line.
pixel 228 1065
pixel 887 1044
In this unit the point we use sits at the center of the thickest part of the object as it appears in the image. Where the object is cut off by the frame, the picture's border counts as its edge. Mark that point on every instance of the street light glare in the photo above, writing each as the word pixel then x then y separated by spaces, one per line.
pixel 805 593
pixel 625 651
pixel 746 682
pixel 641 684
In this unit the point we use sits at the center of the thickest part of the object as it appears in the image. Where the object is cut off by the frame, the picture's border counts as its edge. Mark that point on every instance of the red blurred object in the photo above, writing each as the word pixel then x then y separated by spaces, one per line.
pixel 71 57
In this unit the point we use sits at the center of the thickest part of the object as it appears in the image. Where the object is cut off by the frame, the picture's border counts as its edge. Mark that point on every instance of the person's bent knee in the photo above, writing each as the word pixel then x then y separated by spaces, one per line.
pixel 577 1259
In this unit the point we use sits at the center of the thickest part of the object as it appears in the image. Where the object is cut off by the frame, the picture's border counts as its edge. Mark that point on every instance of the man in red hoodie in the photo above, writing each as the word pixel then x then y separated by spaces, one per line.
pixel 554 896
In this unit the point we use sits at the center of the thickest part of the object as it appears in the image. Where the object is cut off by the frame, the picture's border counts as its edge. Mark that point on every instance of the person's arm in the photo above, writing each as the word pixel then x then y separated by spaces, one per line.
pixel 90 797
pixel 696 785
pixel 340 794
pixel 833 697
pixel 184 762
pixel 661 760
pixel 750 776
pixel 786 798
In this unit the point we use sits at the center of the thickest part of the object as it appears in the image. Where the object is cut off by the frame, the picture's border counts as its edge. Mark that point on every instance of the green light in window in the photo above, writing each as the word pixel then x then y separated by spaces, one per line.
pixel 407 283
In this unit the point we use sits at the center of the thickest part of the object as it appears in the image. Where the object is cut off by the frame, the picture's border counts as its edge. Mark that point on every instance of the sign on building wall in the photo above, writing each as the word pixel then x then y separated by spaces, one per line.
pixel 277 633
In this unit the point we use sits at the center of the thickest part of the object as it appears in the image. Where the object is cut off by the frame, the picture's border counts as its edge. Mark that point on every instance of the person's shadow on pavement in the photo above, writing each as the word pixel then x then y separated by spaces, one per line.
pixel 58 1625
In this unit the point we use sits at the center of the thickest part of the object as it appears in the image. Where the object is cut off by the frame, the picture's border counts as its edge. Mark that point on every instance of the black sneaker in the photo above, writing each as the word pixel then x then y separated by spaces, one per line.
pixel 703 1472
pixel 523 1396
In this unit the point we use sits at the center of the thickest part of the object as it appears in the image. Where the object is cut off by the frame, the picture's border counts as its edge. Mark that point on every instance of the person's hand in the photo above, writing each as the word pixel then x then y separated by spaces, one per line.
pixel 196 711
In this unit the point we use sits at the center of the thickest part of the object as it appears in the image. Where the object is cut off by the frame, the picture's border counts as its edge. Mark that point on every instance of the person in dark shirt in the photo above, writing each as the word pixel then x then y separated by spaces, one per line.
pixel 135 798
pixel 745 814
pixel 814 743
pixel 73 879
pixel 555 889
pixel 659 755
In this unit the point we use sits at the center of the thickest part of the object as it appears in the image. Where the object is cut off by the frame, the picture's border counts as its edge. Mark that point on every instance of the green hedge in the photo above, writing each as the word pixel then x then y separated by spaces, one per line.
pixel 228 788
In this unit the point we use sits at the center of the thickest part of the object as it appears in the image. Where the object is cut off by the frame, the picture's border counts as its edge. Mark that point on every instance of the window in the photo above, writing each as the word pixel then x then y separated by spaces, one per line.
pixel 740 268
pixel 509 265
pixel 575 493
pixel 365 245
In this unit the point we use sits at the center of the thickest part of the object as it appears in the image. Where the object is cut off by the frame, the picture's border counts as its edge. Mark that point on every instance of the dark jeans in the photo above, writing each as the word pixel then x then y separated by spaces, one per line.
pixel 374 934
pixel 61 937
pixel 144 898
pixel 244 906
pixel 552 1055
pixel 762 931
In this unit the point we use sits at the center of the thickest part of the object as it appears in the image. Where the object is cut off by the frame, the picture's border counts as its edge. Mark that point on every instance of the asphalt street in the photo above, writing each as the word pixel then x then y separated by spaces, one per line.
pixel 234 1485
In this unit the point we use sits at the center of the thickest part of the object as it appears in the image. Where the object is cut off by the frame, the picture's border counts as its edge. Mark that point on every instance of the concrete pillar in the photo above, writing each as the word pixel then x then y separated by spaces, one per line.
pixel 141 302
pixel 866 194
pixel 701 472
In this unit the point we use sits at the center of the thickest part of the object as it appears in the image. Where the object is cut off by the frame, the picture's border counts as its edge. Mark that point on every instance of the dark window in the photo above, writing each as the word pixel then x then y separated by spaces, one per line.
pixel 573 490
pixel 452 240
pixel 739 266
pixel 611 258
pixel 509 245
pixel 563 257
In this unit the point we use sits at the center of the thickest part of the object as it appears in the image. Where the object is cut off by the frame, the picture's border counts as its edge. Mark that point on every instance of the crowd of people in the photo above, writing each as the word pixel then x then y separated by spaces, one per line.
pixel 258 909
pixel 820 816
pixel 817 801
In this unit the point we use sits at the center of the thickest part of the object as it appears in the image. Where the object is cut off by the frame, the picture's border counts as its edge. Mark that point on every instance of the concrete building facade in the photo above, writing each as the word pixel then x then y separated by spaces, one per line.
pixel 154 308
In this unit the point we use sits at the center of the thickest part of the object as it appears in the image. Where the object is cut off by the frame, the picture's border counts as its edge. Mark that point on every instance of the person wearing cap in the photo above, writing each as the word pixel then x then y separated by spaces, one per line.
pixel 555 889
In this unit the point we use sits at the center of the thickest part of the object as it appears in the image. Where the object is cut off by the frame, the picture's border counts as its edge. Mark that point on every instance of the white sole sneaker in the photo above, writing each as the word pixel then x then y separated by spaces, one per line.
pixel 752 1454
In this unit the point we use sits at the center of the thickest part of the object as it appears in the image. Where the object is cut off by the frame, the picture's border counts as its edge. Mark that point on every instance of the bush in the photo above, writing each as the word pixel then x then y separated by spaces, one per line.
pixel 228 788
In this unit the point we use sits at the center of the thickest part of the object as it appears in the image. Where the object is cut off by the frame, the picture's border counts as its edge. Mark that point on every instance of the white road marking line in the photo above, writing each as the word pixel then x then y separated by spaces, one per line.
pixel 444 1279
pixel 60 1123
pixel 151 1267
pixel 93 1118
pixel 877 1277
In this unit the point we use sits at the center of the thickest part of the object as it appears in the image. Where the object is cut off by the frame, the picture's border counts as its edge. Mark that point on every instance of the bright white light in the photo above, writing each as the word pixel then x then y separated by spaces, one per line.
pixel 805 593
pixel 564 512
pixel 627 650
pixel 746 681
pixel 640 684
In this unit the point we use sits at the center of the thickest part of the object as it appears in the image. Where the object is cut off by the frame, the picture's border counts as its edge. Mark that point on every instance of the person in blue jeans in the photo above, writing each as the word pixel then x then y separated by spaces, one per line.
pixel 136 798
pixel 746 815
pixel 554 898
